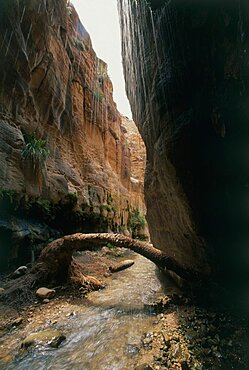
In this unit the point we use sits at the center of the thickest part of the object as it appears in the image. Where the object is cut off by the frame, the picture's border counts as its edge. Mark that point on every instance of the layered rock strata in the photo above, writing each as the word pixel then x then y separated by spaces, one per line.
pixel 64 157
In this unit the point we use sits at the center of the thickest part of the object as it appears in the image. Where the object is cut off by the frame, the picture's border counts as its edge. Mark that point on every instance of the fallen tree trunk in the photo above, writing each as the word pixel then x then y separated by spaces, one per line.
pixel 56 261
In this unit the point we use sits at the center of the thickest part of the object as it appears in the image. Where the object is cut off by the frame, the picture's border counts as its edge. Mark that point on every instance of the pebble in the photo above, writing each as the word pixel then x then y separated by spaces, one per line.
pixel 70 314
pixel 147 341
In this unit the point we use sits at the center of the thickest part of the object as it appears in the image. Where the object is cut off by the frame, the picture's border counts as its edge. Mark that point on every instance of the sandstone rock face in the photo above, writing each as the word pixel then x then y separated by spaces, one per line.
pixel 187 81
pixel 56 98
pixel 137 162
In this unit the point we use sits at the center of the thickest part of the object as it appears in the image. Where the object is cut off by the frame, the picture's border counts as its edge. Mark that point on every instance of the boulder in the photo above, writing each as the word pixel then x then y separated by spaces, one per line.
pixel 45 293
pixel 121 266
pixel 52 338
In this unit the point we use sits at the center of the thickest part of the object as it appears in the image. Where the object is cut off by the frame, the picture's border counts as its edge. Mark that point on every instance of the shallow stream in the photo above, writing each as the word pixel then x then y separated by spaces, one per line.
pixel 104 332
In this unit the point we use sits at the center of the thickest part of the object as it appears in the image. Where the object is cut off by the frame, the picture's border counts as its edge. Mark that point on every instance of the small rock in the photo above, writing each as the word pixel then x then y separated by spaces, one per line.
pixel 94 283
pixel 22 270
pixel 2 291
pixel 50 337
pixel 107 274
pixel 46 300
pixel 147 340
pixel 106 250
pixel 132 350
pixel 17 321
pixel 70 314
pixel 121 266
pixel 143 367
pixel 45 293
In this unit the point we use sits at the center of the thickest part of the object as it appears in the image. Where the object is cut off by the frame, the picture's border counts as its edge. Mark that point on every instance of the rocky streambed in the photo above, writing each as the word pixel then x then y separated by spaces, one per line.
pixel 139 321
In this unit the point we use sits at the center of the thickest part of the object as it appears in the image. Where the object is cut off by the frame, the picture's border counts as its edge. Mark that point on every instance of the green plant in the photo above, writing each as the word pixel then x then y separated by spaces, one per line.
pixel 35 150
pixel 109 199
pixel 110 246
pixel 78 44
pixel 92 195
pixel 71 198
pixel 98 96
pixel 44 205
pixel 115 209
pixel 122 229
pixel 108 207
pixel 136 222
pixel 7 194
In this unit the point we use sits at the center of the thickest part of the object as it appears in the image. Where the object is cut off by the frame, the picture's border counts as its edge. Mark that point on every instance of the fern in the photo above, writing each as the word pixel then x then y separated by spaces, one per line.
pixel 35 150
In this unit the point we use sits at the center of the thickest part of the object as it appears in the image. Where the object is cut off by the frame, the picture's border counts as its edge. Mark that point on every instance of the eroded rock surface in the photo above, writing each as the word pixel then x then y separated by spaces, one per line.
pixel 56 96
pixel 189 61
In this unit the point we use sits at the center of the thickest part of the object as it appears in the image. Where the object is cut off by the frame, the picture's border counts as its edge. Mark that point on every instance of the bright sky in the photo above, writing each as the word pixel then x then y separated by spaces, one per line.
pixel 100 18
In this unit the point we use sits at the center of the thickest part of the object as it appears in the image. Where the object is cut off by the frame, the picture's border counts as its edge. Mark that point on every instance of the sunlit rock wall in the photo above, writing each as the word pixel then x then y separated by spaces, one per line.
pixel 186 68
pixel 54 88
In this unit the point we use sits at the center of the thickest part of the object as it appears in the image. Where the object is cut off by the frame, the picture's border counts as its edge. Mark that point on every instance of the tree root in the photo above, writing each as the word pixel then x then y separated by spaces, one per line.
pixel 87 282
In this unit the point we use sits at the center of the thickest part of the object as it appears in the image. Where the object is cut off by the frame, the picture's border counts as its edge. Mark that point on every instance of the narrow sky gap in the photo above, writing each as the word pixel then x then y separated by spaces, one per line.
pixel 100 18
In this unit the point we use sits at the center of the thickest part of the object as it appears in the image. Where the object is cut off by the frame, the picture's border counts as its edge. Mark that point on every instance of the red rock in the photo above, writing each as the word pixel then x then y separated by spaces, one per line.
pixel 68 102
pixel 45 293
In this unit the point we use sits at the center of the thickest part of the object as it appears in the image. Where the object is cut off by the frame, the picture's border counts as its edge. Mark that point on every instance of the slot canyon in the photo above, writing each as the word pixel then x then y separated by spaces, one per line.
pixel 124 241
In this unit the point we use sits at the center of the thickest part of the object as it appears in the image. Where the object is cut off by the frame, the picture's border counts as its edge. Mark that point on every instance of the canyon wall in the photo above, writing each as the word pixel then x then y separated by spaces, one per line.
pixel 186 68
pixel 65 161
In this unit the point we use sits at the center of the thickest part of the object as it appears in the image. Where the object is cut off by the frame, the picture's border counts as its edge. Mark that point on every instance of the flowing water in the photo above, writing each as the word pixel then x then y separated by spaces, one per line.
pixel 104 333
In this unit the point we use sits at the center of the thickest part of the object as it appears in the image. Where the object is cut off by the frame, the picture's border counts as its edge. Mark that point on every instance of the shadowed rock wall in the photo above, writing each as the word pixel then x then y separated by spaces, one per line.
pixel 186 70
